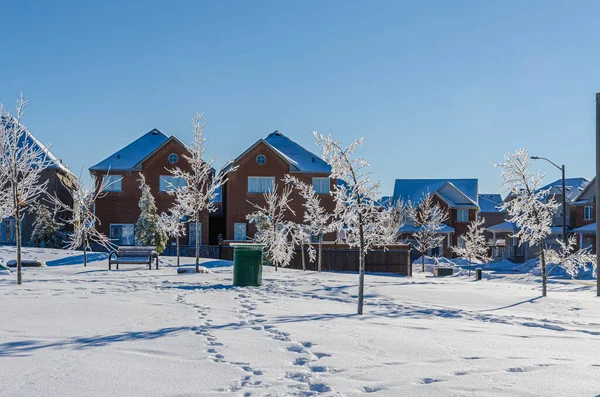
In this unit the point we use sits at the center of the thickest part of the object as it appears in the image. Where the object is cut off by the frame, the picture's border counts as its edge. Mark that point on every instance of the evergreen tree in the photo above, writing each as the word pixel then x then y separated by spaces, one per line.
pixel 147 230
pixel 46 230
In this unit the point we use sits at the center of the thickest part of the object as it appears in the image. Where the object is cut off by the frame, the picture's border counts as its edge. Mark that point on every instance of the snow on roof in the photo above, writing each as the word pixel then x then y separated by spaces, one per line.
pixel 414 189
pixel 591 228
pixel 298 156
pixel 406 229
pixel 573 186
pixel 129 157
pixel 490 202
pixel 504 228
pixel 52 161
pixel 582 198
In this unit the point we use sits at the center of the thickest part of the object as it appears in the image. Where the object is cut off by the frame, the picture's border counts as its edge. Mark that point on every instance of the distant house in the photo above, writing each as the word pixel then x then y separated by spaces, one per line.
pixel 264 165
pixel 458 196
pixel 585 216
pixel 57 176
pixel 152 154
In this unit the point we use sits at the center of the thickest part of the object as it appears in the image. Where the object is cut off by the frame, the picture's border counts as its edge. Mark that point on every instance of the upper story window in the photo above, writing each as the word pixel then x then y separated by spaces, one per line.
pixel 260 184
pixel 112 183
pixel 588 213
pixel 218 195
pixel 173 158
pixel 261 159
pixel 320 185
pixel 462 215
pixel 168 183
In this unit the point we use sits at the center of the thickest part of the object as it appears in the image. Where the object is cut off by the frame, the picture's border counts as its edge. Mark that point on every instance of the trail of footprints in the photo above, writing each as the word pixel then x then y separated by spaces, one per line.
pixel 307 381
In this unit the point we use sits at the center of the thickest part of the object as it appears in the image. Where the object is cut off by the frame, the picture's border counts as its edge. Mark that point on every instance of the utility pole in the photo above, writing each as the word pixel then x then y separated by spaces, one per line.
pixel 597 192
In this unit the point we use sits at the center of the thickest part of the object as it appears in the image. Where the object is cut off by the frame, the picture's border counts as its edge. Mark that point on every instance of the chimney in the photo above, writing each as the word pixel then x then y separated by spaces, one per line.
pixel 155 132
pixel 276 132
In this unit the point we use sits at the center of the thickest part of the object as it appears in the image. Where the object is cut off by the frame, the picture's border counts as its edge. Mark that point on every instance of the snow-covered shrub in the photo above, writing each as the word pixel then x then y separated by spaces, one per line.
pixel 46 229
pixel 147 229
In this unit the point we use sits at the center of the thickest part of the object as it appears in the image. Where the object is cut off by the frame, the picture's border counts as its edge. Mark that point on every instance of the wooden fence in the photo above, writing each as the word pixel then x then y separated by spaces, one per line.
pixel 341 258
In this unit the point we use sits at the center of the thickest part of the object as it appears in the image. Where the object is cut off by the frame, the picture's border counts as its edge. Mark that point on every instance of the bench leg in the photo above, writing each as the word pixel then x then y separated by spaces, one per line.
pixel 117 266
pixel 157 263
pixel 109 265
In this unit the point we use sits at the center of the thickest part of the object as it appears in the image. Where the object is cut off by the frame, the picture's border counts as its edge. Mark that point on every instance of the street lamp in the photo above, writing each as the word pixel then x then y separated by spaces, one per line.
pixel 564 199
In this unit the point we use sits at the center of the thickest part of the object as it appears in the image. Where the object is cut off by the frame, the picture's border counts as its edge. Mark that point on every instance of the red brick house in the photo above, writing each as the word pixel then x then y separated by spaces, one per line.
pixel 151 154
pixel 584 214
pixel 264 165
pixel 458 196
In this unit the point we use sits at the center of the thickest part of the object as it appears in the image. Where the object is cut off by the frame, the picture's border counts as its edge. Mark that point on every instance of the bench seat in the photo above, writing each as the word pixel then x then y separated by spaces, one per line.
pixel 132 256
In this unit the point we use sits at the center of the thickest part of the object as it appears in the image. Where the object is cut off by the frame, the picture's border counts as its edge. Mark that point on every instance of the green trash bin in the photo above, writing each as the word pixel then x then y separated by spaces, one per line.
pixel 247 264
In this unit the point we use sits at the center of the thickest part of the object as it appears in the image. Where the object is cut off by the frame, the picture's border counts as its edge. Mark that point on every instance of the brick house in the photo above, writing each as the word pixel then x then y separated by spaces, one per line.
pixel 263 166
pixel 584 215
pixel 151 154
pixel 458 196
pixel 57 177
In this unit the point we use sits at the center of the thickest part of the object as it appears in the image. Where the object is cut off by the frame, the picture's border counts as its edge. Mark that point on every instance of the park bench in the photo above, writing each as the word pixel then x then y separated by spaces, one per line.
pixel 133 256
pixel 443 271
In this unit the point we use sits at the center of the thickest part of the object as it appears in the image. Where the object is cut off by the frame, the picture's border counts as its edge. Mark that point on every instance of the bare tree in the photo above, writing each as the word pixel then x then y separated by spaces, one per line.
pixel 273 230
pixel 82 219
pixel 22 161
pixel 356 210
pixel 201 185
pixel 527 208
pixel 301 235
pixel 474 243
pixel 569 257
pixel 316 217
pixel 429 220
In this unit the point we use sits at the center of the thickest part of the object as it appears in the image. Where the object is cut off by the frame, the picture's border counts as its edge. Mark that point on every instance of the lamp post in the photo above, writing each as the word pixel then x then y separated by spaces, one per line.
pixel 564 198
pixel 597 192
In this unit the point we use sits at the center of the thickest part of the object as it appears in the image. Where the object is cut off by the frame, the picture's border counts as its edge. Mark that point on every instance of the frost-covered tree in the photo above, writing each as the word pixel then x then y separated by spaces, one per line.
pixel 82 218
pixel 147 229
pixel 428 217
pixel 316 218
pixel 22 161
pixel 391 219
pixel 302 237
pixel 527 208
pixel 200 185
pixel 474 243
pixel 46 229
pixel 355 200
pixel 273 230
pixel 569 257
pixel 172 225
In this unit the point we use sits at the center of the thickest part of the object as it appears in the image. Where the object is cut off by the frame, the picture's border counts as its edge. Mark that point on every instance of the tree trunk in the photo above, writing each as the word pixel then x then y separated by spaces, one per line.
pixel 544 276
pixel 18 236
pixel 85 244
pixel 469 264
pixel 361 268
pixel 198 242
pixel 177 239
pixel 320 252
pixel 423 262
pixel 302 250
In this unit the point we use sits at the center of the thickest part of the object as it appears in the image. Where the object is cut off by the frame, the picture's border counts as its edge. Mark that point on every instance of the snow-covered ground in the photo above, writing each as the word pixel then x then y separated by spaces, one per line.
pixel 75 331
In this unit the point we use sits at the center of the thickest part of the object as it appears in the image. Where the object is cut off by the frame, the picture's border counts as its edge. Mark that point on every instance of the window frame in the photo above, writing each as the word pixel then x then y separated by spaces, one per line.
pixel 591 213
pixel 463 211
pixel 160 183
pixel 176 158
pixel 257 186
pixel 245 230
pixel 321 180
pixel 110 229
pixel 263 156
pixel 112 185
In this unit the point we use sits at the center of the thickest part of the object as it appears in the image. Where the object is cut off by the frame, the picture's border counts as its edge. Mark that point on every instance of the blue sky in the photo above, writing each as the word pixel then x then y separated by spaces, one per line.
pixel 438 89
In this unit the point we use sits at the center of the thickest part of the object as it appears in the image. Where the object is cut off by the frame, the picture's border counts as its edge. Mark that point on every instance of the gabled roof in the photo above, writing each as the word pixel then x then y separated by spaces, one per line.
pixel 490 202
pixel 51 161
pixel 457 192
pixel 299 159
pixel 584 197
pixel 131 157
pixel 573 186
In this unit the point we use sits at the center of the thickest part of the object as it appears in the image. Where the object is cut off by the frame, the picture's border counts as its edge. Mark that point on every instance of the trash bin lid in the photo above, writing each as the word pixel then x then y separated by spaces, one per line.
pixel 248 246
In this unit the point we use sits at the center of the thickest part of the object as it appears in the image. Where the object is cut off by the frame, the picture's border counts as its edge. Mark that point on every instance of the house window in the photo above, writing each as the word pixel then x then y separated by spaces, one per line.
pixel 261 159
pixel 239 231
pixel 320 185
pixel 7 231
pixel 173 158
pixel 122 234
pixel 461 242
pixel 192 233
pixel 218 198
pixel 588 213
pixel 169 183
pixel 112 183
pixel 260 184
pixel 462 215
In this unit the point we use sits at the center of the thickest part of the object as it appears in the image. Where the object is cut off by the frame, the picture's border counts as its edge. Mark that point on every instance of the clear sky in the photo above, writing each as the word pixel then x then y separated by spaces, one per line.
pixel 438 89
